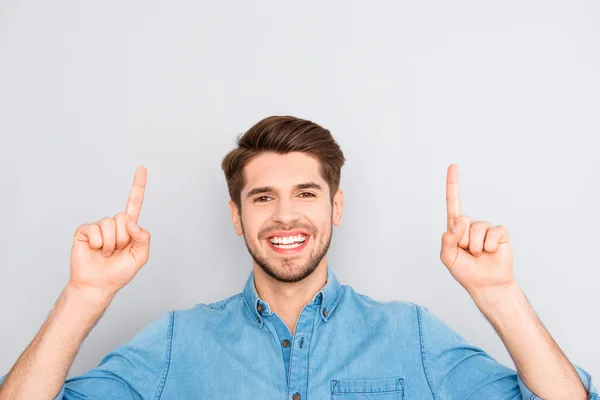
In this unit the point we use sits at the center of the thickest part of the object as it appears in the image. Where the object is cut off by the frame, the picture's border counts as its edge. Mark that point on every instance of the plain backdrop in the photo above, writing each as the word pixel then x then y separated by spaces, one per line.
pixel 507 90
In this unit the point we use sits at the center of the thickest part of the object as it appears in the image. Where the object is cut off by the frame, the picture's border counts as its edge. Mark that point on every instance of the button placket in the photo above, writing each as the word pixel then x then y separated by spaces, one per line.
pixel 299 354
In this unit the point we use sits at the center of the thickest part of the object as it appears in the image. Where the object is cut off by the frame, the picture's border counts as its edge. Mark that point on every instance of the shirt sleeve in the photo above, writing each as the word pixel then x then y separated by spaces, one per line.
pixel 455 369
pixel 133 371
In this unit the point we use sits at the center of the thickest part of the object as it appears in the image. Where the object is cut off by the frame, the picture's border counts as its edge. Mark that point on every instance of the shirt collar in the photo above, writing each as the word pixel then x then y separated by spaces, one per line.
pixel 326 298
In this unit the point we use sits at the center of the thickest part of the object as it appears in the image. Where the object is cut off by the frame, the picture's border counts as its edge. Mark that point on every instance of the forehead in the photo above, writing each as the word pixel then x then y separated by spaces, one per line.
pixel 281 170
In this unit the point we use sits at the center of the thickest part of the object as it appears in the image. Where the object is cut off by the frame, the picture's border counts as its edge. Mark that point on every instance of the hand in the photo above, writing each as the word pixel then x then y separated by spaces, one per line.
pixel 107 254
pixel 479 254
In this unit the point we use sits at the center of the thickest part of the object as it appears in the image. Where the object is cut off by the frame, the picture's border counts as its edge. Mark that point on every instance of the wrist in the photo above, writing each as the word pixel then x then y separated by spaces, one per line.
pixel 501 303
pixel 94 299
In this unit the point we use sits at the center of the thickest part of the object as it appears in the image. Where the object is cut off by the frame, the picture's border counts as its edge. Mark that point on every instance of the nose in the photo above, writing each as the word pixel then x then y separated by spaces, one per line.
pixel 285 212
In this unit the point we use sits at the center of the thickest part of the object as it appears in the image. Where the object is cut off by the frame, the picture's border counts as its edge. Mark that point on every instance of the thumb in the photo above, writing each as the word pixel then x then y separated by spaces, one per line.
pixel 458 230
pixel 140 240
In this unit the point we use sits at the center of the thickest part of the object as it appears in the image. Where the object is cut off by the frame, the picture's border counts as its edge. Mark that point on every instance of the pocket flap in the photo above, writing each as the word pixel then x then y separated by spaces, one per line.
pixel 367 385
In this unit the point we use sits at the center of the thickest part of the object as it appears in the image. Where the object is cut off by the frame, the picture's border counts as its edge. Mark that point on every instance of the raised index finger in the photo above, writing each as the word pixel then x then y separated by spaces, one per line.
pixel 136 196
pixel 452 195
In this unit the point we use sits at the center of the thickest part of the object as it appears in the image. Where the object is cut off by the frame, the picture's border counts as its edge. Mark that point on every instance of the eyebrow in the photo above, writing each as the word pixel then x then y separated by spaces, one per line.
pixel 267 189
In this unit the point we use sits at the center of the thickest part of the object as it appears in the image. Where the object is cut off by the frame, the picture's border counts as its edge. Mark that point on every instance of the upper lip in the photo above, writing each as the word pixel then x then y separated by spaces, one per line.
pixel 287 233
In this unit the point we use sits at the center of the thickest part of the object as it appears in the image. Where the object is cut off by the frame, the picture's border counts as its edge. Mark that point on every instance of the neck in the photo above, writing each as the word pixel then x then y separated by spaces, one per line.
pixel 287 299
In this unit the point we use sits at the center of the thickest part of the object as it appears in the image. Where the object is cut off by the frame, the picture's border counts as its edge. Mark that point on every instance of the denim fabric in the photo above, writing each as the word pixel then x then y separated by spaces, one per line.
pixel 346 346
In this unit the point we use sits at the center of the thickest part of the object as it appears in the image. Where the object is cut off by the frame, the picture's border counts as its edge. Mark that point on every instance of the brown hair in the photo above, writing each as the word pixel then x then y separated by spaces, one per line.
pixel 283 134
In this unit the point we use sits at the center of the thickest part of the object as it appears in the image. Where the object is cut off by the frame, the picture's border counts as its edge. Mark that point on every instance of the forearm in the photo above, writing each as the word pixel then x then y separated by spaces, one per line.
pixel 41 370
pixel 540 362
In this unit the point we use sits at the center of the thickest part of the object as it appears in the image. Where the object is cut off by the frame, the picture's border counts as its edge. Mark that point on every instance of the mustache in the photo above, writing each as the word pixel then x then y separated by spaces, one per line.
pixel 265 233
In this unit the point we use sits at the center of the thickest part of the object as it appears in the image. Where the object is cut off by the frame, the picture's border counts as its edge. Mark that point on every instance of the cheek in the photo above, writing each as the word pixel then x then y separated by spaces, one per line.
pixel 321 221
pixel 252 222
pixel 317 213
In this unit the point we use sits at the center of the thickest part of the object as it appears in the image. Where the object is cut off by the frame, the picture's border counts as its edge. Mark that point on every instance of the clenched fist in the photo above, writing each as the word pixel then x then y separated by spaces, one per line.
pixel 107 254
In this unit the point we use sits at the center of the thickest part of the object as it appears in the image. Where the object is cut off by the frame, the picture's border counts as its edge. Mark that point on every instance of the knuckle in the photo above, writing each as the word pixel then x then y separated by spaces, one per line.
pixel 122 216
pixel 475 250
pixel 479 227
pixel 94 229
pixel 476 243
pixel 82 228
pixel 95 236
pixel 106 221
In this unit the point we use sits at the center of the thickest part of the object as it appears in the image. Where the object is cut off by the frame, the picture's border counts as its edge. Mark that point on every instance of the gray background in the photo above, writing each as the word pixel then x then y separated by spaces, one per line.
pixel 508 91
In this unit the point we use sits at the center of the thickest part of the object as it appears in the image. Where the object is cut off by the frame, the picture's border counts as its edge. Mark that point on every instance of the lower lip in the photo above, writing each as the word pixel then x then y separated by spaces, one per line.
pixel 289 251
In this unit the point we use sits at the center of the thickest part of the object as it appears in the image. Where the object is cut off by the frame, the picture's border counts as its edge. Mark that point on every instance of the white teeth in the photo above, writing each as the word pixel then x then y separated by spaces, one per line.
pixel 288 239
pixel 287 246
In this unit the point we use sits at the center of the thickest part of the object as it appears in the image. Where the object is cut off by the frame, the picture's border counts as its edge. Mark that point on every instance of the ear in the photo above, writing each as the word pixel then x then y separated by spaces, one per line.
pixel 235 217
pixel 338 208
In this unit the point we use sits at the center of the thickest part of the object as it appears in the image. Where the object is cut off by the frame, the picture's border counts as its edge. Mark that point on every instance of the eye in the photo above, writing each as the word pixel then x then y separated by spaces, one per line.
pixel 310 194
pixel 260 199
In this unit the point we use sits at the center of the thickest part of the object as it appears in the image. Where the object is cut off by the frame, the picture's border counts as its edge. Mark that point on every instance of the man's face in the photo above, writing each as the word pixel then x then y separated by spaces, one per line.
pixel 287 214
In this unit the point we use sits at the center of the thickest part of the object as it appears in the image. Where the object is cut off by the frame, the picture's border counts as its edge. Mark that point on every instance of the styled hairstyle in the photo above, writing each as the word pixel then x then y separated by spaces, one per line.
pixel 283 134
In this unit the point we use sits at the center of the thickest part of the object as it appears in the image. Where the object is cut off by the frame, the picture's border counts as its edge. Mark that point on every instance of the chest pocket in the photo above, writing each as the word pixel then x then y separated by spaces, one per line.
pixel 367 389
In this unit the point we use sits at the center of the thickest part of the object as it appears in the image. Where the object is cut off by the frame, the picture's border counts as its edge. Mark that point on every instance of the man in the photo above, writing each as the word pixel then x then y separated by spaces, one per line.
pixel 294 332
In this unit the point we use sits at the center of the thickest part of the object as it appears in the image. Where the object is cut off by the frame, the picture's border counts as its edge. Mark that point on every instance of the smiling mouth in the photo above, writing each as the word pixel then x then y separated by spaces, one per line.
pixel 290 242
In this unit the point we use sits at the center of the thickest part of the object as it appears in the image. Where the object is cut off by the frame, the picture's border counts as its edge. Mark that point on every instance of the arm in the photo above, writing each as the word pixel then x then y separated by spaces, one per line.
pixel 540 362
pixel 479 256
pixel 135 370
pixel 105 256
pixel 456 369
pixel 42 368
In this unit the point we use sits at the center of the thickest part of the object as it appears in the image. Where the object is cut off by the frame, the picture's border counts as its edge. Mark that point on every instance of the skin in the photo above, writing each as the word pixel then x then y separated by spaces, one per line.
pixel 287 282
pixel 479 256
pixel 107 254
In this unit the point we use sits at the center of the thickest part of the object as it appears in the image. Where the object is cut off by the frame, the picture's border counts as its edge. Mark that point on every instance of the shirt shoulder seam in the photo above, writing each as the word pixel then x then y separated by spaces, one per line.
pixel 422 345
pixel 219 305
pixel 169 346
pixel 364 296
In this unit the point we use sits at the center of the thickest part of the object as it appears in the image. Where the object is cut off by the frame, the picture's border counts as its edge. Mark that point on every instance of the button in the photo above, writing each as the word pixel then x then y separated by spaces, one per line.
pixel 286 343
pixel 260 308
pixel 296 396
pixel 325 312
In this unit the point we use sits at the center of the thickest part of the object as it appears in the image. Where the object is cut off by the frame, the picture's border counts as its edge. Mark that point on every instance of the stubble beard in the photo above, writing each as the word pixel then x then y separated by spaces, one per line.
pixel 288 272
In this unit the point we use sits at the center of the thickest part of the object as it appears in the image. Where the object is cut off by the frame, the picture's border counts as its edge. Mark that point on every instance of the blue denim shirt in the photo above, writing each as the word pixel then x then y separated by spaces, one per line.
pixel 346 346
